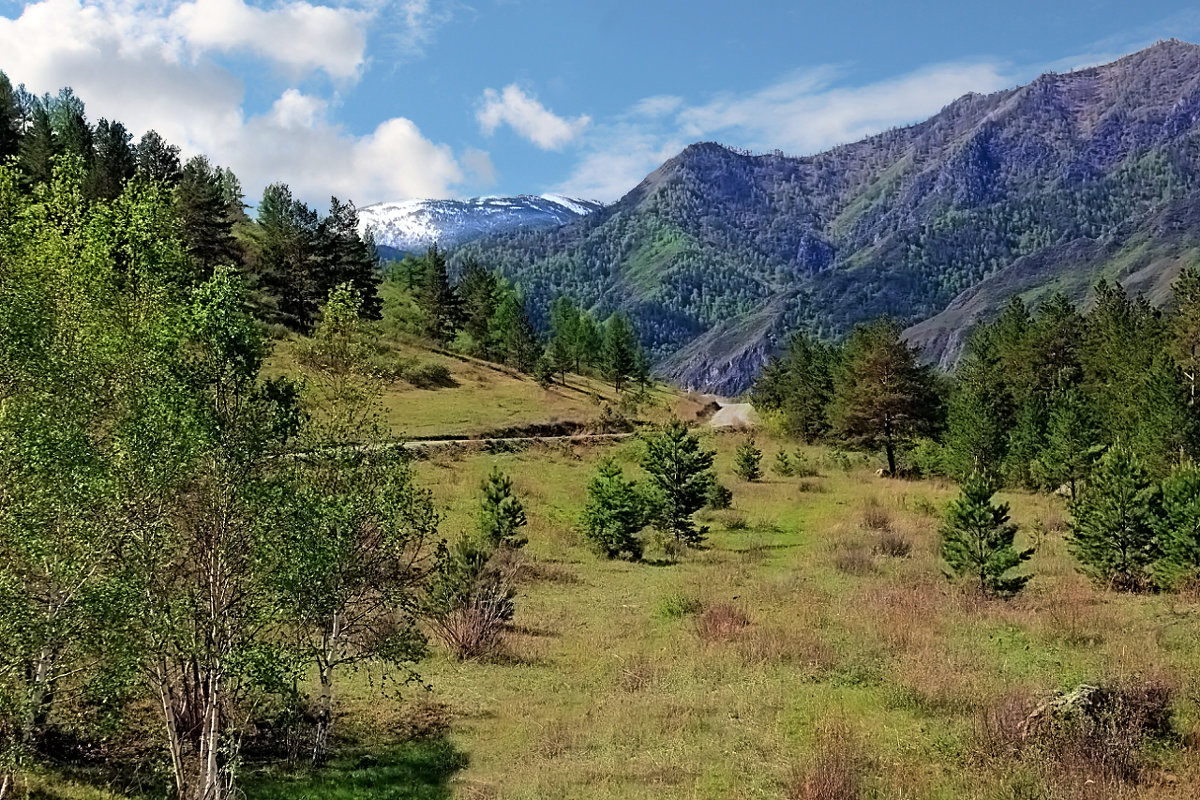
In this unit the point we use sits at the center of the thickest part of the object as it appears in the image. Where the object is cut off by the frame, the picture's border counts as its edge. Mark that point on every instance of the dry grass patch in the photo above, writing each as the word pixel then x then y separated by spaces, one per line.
pixel 893 544
pixel 721 622
pixel 837 772
pixel 800 649
pixel 875 517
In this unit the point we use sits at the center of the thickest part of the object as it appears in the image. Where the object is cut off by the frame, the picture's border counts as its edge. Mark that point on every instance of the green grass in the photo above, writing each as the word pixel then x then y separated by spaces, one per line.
pixel 416 771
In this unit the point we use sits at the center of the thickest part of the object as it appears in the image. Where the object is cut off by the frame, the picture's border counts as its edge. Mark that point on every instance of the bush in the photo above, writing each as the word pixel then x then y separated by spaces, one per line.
pixel 748 461
pixel 719 497
pixel 430 375
pixel 721 622
pixel 678 606
pixel 893 545
pixel 875 517
pixel 470 598
pixel 836 772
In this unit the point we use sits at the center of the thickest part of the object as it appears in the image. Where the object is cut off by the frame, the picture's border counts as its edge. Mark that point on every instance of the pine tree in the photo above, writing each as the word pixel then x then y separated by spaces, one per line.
pixel 1185 328
pixel 1113 534
pixel 883 396
pixel 589 349
pixel 799 386
pixel 436 298
pixel 501 515
pixel 748 461
pixel 38 147
pixel 511 336
pixel 680 476
pixel 783 465
pixel 114 161
pixel 10 120
pixel 207 229
pixel 72 134
pixel 1178 526
pixel 1072 443
pixel 478 291
pixel 1165 433
pixel 981 411
pixel 615 513
pixel 345 257
pixel 158 161
pixel 977 540
pixel 620 350
pixel 564 335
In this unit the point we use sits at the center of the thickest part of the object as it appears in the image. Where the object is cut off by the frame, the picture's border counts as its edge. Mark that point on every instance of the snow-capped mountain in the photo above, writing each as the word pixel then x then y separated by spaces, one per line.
pixel 413 225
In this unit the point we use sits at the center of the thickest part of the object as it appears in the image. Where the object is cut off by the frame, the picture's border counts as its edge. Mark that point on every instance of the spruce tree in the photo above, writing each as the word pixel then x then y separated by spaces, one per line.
pixel 511 336
pixel 799 385
pixel 38 147
pixel 501 515
pixel 1113 535
pixel 343 256
pixel 977 540
pixel 747 463
pixel 615 513
pixel 207 229
pixel 981 411
pixel 680 476
pixel 883 396
pixel 783 465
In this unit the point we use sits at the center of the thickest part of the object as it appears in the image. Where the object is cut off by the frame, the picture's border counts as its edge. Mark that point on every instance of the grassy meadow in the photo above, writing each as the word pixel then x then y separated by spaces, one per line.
pixel 812 647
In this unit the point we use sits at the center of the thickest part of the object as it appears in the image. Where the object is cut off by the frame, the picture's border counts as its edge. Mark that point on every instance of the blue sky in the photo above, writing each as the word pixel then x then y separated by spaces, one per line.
pixel 386 100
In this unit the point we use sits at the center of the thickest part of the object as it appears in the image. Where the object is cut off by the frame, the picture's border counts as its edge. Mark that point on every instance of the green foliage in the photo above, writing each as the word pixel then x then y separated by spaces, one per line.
pixel 977 540
pixel 747 463
pixel 437 297
pixel 1178 527
pixel 620 350
pixel 718 497
pixel 615 513
pixel 799 384
pixel 680 471
pixel 783 465
pixel 501 515
pixel 1114 534
pixel 883 397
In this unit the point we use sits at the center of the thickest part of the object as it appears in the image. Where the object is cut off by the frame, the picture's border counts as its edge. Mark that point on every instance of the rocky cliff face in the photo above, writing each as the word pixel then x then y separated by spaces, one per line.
pixel 719 253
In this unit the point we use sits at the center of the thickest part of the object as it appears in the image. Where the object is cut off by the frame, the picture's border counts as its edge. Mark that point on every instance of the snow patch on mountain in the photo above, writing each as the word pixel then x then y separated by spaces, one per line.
pixel 414 225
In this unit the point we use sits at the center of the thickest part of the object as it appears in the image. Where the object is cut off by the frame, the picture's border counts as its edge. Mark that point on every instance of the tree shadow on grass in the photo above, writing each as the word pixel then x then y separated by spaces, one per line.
pixel 418 770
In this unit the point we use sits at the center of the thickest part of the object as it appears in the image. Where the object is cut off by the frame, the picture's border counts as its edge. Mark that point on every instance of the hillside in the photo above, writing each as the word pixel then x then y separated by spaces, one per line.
pixel 718 254
pixel 412 226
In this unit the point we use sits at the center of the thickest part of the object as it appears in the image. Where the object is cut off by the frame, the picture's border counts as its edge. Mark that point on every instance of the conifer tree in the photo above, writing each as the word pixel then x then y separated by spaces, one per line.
pixel 1072 442
pixel 883 396
pixel 436 298
pixel 1178 526
pixel 799 385
pixel 977 540
pixel 38 147
pixel 747 463
pixel 478 291
pixel 511 336
pixel 680 476
pixel 615 513
pixel 620 350
pixel 114 162
pixel 1113 535
pixel 783 465
pixel 564 335
pixel 207 229
pixel 501 515
pixel 157 161
pixel 344 257
pixel 980 414
pixel 589 349
pixel 10 120
pixel 1185 328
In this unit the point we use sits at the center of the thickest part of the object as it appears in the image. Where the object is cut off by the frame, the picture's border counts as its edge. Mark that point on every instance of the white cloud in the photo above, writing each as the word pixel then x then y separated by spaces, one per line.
pixel 803 113
pixel 529 118
pixel 296 35
pixel 146 66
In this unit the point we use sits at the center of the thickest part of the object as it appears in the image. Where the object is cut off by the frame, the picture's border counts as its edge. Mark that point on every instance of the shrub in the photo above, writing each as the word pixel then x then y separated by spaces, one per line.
pixel 836 772
pixel 893 545
pixel 783 465
pixel 615 513
pixel 854 561
pixel 721 622
pixel 470 598
pixel 748 461
pixel 430 375
pixel 678 606
pixel 977 541
pixel 875 517
pixel 802 467
pixel 719 497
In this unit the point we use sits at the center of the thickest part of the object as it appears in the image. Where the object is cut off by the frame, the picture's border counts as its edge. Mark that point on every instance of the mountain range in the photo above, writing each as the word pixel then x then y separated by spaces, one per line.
pixel 414 225
pixel 720 253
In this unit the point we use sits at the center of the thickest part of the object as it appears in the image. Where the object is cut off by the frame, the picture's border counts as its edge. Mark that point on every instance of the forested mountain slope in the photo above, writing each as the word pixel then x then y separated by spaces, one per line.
pixel 718 253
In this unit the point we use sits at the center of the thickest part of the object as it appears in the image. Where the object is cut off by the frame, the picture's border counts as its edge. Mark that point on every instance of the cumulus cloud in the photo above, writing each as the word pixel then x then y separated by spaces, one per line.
pixel 802 113
pixel 296 35
pixel 530 119
pixel 146 65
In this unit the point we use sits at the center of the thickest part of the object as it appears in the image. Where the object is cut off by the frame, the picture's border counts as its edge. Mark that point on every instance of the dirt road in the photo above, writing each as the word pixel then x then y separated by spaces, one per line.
pixel 734 415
